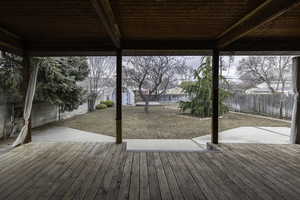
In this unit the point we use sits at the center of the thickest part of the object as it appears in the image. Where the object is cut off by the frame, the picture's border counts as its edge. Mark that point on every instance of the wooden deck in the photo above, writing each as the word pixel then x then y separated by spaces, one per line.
pixel 98 171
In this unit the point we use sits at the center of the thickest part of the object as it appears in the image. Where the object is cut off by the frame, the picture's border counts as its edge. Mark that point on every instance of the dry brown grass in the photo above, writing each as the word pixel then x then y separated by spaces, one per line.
pixel 160 123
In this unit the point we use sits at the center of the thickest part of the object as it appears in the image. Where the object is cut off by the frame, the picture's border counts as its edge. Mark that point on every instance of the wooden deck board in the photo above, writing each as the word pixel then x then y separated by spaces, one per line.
pixel 125 181
pixel 144 180
pixel 107 171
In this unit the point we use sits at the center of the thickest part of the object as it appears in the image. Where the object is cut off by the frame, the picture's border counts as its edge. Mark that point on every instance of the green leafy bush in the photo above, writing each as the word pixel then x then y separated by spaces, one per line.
pixel 101 106
pixel 56 81
pixel 108 103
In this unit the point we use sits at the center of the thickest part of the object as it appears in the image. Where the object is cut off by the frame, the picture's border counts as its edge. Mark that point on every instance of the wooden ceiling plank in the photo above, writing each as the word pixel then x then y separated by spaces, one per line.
pixel 10 41
pixel 107 19
pixel 264 13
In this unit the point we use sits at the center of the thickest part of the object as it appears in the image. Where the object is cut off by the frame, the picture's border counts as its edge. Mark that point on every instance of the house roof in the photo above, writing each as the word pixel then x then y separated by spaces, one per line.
pixel 69 27
pixel 263 88
pixel 175 91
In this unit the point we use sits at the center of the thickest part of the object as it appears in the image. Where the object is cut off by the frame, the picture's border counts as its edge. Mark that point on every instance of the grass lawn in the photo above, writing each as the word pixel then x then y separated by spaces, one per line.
pixel 160 123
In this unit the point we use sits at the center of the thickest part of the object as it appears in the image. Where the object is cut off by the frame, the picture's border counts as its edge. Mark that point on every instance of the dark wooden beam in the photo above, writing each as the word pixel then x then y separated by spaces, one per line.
pixel 119 98
pixel 166 52
pixel 215 98
pixel 255 46
pixel 58 53
pixel 130 47
pixel 72 47
pixel 265 44
pixel 266 12
pixel 107 19
pixel 295 131
pixel 10 42
pixel 168 44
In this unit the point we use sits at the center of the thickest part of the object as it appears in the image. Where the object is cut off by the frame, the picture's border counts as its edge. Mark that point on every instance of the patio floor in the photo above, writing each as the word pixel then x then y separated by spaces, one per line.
pixel 106 171
pixel 251 134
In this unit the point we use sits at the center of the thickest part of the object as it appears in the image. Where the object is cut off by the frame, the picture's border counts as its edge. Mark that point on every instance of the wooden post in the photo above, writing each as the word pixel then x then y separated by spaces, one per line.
pixel 26 76
pixel 119 98
pixel 215 97
pixel 295 131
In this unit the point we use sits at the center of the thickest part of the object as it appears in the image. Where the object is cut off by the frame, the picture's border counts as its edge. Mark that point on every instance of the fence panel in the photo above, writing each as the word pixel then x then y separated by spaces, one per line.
pixel 274 105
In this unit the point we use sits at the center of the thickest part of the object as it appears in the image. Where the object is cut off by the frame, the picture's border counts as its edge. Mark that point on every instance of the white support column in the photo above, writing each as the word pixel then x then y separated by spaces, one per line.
pixel 295 129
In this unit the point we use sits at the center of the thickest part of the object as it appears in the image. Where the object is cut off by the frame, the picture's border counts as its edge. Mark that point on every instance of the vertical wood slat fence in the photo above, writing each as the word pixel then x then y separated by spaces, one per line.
pixel 273 105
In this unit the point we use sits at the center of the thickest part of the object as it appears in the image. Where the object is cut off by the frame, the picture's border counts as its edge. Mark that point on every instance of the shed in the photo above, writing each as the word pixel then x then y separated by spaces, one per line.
pixel 128 97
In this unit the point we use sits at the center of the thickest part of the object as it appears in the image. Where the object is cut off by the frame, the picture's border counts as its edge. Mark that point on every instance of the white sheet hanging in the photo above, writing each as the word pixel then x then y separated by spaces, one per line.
pixel 295 129
pixel 28 106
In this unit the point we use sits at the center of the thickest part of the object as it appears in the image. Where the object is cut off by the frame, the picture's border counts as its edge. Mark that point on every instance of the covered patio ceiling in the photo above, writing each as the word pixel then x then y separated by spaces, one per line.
pixel 99 27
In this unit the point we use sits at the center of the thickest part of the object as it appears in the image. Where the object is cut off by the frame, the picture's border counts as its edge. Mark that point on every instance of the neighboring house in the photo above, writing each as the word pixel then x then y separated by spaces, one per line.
pixel 264 89
pixel 171 95
pixel 174 95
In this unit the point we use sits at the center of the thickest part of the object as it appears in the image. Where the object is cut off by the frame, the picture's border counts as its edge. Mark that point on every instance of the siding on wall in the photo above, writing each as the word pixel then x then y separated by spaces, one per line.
pixel 82 109
pixel 42 113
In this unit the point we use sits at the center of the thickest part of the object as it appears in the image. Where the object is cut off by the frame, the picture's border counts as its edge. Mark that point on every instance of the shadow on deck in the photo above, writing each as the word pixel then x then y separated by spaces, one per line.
pixel 107 171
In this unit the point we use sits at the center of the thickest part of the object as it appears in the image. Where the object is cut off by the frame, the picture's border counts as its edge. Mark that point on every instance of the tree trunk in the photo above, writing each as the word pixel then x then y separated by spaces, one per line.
pixel 146 107
pixel 281 99
pixel 91 103
pixel 280 110
pixel 145 99
pixel 280 106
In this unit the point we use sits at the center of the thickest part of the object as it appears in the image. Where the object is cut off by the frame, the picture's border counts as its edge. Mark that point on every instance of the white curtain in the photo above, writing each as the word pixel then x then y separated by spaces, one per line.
pixel 28 106
pixel 295 129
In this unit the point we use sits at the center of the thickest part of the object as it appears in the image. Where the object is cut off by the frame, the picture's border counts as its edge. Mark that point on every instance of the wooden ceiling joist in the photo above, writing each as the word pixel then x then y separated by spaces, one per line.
pixel 107 19
pixel 10 41
pixel 168 44
pixel 266 12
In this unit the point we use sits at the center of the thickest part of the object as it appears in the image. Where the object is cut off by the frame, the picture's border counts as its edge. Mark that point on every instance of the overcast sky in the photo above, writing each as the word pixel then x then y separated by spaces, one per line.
pixel 194 61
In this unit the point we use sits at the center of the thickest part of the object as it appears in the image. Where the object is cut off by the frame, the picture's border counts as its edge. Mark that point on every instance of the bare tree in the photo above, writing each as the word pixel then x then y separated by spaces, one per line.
pixel 225 66
pixel 153 75
pixel 272 70
pixel 101 76
pixel 188 71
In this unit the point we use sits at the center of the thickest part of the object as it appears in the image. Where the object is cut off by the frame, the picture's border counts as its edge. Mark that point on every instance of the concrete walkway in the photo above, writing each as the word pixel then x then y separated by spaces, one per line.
pixel 163 145
pixel 64 134
pixel 262 135
pixel 266 135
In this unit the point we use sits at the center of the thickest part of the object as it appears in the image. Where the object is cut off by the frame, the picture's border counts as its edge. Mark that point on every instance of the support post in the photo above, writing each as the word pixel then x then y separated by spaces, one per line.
pixel 295 128
pixel 215 97
pixel 26 76
pixel 119 97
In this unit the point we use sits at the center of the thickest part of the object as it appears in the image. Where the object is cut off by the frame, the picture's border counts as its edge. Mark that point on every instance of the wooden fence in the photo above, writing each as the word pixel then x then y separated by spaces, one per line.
pixel 274 105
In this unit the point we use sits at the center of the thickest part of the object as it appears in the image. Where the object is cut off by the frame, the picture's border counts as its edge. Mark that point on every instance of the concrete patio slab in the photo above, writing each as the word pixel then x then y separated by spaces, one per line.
pixel 263 135
pixel 64 134
pixel 163 145
pixel 279 130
